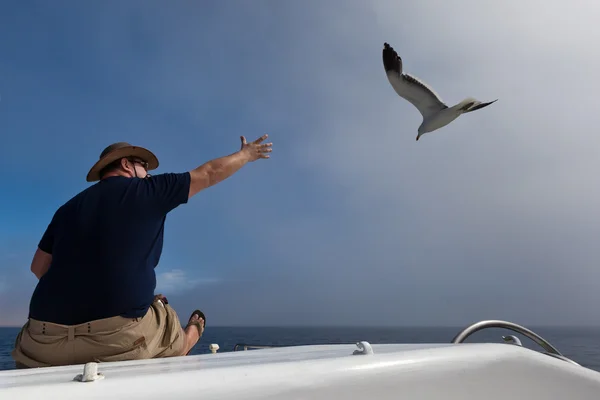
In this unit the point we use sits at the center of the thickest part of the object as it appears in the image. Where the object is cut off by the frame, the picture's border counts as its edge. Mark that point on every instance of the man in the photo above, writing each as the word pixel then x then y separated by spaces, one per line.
pixel 95 263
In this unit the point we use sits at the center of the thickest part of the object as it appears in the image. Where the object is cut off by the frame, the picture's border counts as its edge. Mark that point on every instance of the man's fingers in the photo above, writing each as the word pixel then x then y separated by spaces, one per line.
pixel 260 139
pixel 243 139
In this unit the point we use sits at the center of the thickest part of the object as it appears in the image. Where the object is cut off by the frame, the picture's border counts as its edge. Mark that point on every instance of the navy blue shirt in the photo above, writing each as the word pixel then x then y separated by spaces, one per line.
pixel 105 243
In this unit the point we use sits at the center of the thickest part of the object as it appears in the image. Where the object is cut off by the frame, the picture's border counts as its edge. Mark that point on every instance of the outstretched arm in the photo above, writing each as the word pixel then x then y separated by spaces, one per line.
pixel 219 169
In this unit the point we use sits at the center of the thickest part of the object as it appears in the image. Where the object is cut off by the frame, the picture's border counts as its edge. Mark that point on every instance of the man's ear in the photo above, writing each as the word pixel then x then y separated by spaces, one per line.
pixel 124 165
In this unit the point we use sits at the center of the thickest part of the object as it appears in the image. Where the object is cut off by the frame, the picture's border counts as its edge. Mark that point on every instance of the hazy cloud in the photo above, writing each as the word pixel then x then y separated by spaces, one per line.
pixel 493 216
pixel 178 280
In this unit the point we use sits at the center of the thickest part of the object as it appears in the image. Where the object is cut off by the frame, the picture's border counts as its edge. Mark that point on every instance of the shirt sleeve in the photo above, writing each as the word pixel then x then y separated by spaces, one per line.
pixel 167 191
pixel 47 241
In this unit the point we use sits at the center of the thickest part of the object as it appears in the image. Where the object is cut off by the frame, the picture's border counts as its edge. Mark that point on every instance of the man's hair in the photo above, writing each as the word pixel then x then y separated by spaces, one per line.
pixel 110 167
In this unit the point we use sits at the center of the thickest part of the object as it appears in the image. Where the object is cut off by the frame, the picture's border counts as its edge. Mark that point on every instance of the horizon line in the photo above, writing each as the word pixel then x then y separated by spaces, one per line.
pixel 369 326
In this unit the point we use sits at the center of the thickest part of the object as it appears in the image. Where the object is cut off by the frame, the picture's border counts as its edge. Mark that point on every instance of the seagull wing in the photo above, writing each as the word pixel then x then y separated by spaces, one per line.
pixel 477 105
pixel 423 97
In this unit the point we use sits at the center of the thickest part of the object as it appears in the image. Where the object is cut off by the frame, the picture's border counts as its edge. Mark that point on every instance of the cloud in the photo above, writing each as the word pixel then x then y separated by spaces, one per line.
pixel 177 280
pixel 500 204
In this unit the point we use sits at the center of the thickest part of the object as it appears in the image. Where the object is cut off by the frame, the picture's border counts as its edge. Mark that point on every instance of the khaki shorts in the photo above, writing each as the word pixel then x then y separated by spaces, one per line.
pixel 158 334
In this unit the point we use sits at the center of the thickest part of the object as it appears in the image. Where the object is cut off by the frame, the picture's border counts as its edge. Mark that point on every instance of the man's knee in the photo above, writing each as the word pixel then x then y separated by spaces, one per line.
pixel 165 329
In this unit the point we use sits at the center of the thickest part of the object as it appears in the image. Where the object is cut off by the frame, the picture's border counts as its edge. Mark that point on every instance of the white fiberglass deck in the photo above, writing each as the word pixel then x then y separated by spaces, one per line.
pixel 393 371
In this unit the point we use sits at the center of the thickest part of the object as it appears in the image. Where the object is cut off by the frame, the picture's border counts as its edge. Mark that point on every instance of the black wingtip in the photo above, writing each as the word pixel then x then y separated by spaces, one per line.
pixel 487 104
pixel 391 60
pixel 480 106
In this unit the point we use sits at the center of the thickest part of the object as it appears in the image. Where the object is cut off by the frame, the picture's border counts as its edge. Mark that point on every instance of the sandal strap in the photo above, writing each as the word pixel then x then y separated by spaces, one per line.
pixel 199 314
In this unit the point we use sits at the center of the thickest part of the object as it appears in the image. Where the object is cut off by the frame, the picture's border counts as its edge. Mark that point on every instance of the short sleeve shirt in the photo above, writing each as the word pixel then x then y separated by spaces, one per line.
pixel 105 243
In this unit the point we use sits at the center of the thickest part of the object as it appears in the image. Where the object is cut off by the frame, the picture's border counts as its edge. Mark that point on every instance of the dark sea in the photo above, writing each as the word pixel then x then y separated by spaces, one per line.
pixel 580 344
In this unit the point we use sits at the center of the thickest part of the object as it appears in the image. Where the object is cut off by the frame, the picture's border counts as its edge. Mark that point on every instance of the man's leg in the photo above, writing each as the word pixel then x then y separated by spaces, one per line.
pixel 193 331
pixel 163 332
pixel 155 335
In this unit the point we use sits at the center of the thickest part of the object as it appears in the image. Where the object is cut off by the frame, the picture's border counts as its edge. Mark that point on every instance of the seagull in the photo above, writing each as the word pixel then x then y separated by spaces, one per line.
pixel 436 114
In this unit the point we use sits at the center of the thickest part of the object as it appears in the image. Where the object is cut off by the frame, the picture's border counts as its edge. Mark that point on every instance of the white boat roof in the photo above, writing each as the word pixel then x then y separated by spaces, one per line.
pixel 417 371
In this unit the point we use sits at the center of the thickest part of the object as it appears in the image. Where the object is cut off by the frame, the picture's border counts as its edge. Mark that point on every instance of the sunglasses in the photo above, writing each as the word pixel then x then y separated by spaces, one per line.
pixel 144 164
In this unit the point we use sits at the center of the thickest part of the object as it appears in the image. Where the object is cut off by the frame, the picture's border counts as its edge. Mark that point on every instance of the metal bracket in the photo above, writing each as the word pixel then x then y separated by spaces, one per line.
pixel 512 339
pixel 364 347
pixel 90 373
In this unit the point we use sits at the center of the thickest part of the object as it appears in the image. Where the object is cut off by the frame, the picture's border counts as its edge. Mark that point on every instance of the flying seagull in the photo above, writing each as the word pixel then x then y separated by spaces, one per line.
pixel 436 114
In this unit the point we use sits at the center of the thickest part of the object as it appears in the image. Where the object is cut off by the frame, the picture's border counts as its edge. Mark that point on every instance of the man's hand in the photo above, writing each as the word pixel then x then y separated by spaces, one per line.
pixel 257 149
pixel 161 298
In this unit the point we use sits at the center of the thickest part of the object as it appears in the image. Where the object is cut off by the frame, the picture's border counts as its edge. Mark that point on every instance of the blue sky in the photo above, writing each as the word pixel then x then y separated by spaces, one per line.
pixel 351 221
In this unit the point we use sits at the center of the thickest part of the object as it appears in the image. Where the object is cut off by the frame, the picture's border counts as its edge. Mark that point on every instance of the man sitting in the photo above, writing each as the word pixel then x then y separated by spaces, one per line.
pixel 95 263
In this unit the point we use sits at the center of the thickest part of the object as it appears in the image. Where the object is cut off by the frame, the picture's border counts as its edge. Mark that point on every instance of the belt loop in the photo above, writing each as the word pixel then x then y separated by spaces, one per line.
pixel 71 335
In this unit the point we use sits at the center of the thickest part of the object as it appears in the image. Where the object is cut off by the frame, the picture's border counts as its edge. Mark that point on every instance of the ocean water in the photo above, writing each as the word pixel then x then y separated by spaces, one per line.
pixel 580 344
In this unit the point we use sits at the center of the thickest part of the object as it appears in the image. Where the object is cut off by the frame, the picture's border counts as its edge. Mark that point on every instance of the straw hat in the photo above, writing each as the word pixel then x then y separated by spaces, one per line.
pixel 119 150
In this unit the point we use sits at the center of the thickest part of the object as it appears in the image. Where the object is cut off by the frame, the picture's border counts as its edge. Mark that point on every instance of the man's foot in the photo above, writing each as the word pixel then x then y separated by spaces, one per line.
pixel 194 330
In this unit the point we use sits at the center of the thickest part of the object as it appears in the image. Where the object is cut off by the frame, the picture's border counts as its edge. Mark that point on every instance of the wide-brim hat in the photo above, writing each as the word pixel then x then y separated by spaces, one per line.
pixel 117 151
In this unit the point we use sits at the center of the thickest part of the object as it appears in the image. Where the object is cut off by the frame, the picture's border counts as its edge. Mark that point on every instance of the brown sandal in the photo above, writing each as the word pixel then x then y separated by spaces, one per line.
pixel 197 323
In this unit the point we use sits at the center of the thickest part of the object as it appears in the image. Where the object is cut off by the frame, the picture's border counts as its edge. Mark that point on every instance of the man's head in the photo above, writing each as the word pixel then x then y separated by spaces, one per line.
pixel 123 159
